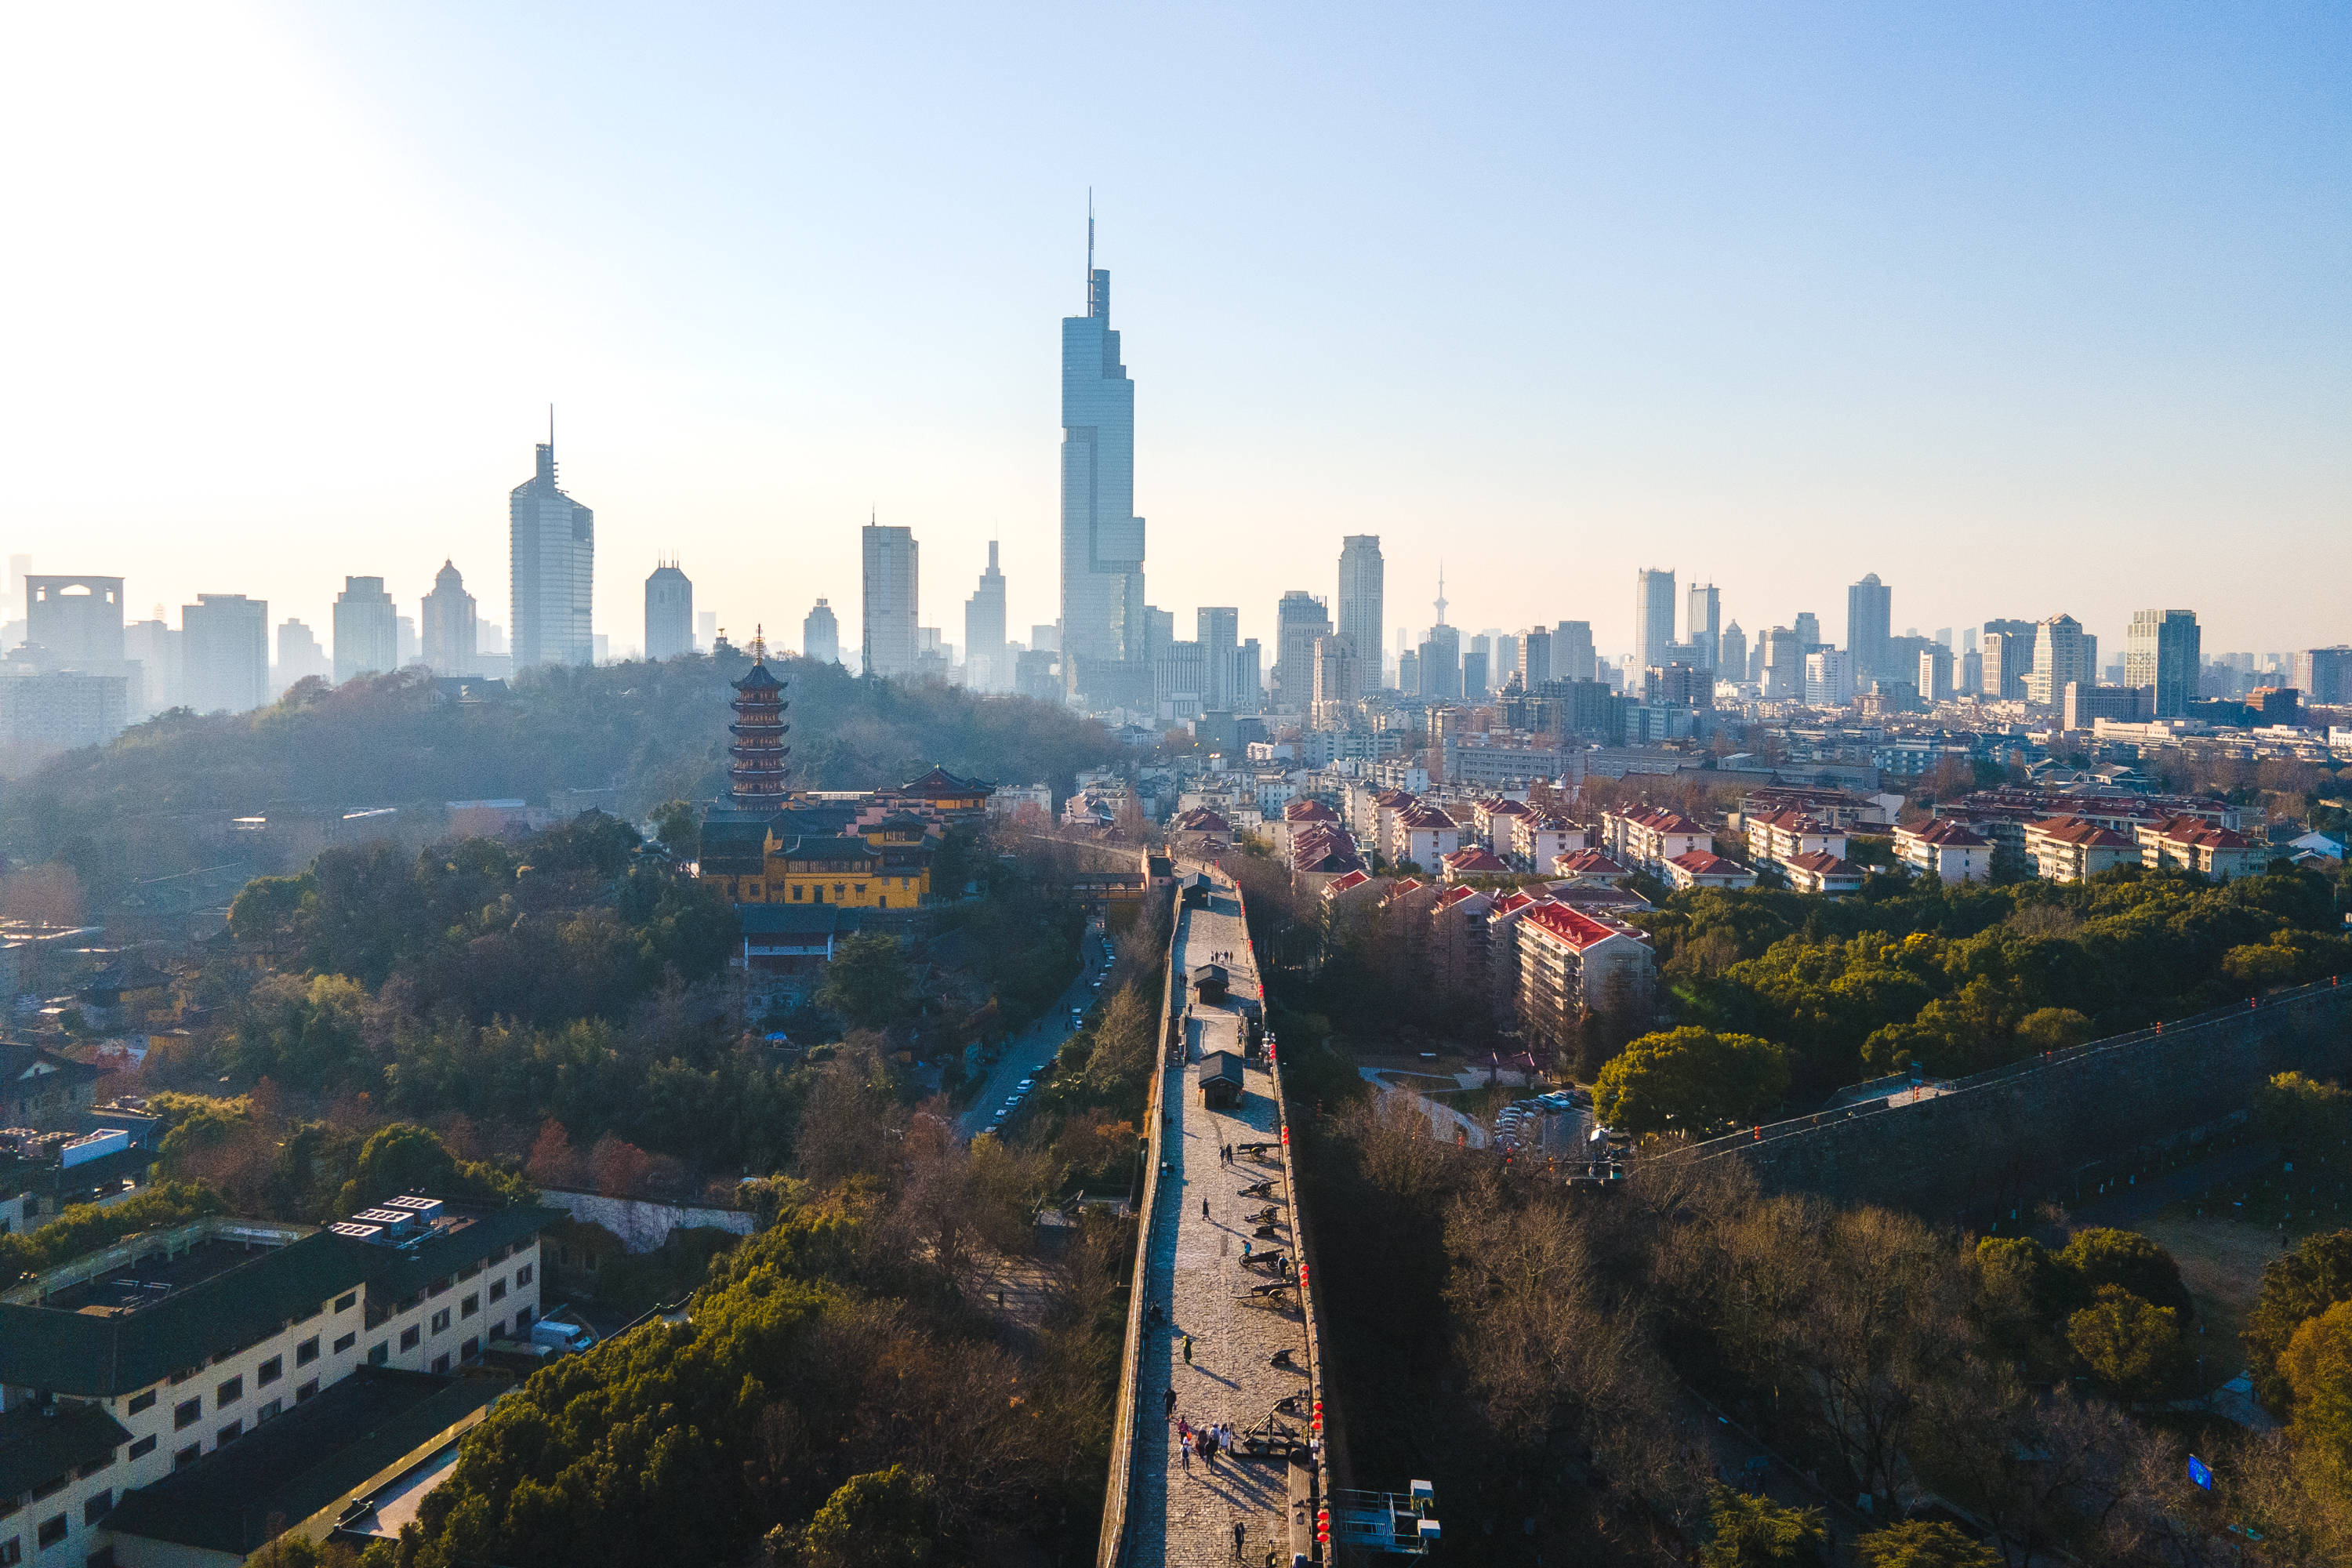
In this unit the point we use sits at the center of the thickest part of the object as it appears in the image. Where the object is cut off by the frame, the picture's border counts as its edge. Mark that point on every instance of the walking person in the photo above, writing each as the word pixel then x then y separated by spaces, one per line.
pixel 1172 1403
pixel 1204 1208
pixel 1238 1531
pixel 1188 1349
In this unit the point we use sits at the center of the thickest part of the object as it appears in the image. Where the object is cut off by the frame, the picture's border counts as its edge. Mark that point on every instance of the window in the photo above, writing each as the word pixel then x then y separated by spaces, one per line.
pixel 229 1393
pixel 497 1290
pixel 409 1336
pixel 182 1375
pixel 469 1350
pixel 346 1342
pixel 86 1471
pixel 441 1321
pixel 379 1353
pixel 228 1433
pixel 523 1320
pixel 438 1285
pixel 469 1306
pixel 275 1407
pixel 308 1391
pixel 95 1508
pixel 307 1352
pixel 101 1558
pixel 186 1413
pixel 469 1271
pixel 52 1530
pixel 344 1302
pixel 141 1448
pixel 141 1402
pixel 271 1370
pixel 498 1329
pixel 187 1455
pixel 522 1276
pixel 12 1551
pixel 441 1361
pixel 53 1485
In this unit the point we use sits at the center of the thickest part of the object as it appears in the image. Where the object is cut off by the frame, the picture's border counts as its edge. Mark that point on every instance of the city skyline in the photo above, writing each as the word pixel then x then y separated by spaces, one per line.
pixel 1916 363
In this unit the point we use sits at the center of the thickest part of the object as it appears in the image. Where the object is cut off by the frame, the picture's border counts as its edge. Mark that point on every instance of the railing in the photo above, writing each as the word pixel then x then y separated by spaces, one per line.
pixel 1774 1131
pixel 1111 1547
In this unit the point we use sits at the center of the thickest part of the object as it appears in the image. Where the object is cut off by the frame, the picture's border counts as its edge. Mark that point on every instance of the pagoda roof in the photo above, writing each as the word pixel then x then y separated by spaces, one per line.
pixel 758 679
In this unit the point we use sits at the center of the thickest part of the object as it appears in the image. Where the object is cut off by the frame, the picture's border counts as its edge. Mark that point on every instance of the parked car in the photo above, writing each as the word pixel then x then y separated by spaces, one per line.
pixel 560 1336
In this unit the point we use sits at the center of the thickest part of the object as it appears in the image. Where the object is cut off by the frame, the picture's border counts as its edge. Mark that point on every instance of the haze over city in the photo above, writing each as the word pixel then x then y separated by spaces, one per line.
pixel 2027 314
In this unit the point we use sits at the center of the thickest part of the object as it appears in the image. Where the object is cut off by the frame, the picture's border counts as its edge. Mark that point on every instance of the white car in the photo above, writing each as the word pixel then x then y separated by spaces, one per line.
pixel 1000 1115
pixel 1025 1085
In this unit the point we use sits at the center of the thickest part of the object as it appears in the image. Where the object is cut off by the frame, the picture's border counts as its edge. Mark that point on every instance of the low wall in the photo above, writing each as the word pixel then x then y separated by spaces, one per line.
pixel 644 1226
pixel 2015 1136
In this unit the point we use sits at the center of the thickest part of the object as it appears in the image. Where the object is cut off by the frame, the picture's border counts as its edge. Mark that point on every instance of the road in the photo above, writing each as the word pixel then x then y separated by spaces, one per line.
pixel 1211 1340
pixel 1034 1047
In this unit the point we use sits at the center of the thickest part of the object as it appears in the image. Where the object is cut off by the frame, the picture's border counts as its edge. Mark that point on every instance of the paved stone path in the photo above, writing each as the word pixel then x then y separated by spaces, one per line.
pixel 1181 1514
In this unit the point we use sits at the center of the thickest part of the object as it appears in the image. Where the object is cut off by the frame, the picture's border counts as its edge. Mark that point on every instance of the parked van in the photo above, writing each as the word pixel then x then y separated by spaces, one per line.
pixel 557 1336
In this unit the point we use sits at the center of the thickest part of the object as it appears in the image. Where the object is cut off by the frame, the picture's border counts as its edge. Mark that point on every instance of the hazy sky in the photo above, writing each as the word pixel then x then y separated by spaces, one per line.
pixel 2027 308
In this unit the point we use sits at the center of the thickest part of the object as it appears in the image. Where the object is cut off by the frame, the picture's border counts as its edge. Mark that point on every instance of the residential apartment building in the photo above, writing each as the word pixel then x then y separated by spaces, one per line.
pixel 1704 868
pixel 1946 849
pixel 1538 841
pixel 1646 837
pixel 2062 652
pixel 1569 965
pixel 1423 835
pixel 1822 872
pixel 2191 844
pixel 1777 837
pixel 2071 849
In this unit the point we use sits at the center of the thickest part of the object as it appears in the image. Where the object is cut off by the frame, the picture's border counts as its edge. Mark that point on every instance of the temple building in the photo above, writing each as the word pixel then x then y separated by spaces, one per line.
pixel 766 844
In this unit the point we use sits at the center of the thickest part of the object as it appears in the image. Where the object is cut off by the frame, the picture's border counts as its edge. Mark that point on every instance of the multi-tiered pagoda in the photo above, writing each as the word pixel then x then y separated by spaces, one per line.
pixel 756 767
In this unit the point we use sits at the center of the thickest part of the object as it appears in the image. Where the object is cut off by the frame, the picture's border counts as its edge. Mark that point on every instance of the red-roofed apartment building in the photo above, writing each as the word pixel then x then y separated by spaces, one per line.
pixel 1424 836
pixel 2069 849
pixel 1538 841
pixel 1704 868
pixel 2195 844
pixel 1946 848
pixel 1822 872
pixel 1474 861
pixel 1590 866
pixel 1571 965
pixel 1777 837
pixel 1647 837
pixel 1458 955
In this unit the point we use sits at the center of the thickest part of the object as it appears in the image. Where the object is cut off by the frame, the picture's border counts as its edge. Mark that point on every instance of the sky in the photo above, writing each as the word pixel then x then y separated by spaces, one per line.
pixel 2027 309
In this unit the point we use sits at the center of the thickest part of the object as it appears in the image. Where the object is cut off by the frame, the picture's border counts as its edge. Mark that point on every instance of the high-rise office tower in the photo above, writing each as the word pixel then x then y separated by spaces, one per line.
pixel 224 653
pixel 1298 620
pixel 1335 689
pixel 1653 617
pixel 405 649
pixel 1573 658
pixel 670 613
pixel 1705 617
pixel 1474 673
pixel 1869 612
pixel 551 541
pixel 1158 630
pixel 449 630
pixel 820 634
pixel 1102 539
pixel 2007 658
pixel 1217 628
pixel 1506 663
pixel 986 666
pixel 1807 628
pixel 1536 658
pixel 891 619
pixel 367 630
pixel 2162 655
pixel 1362 606
pixel 1829 678
pixel 2323 674
pixel 1936 674
pixel 2064 653
pixel 76 622
pixel 1249 684
pixel 1731 654
pixel 154 647
pixel 1440 664
pixel 299 657
pixel 1784 666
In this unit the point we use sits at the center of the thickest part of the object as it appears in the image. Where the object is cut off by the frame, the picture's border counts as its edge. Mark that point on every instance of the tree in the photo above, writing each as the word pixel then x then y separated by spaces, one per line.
pixel 1691 1080
pixel 2306 1283
pixel 1757 1533
pixel 2304 1115
pixel 2131 1346
pixel 406 1158
pixel 2317 1367
pixel 868 981
pixel 2052 1029
pixel 2100 1256
pixel 1923 1543
pixel 882 1519
pixel 679 827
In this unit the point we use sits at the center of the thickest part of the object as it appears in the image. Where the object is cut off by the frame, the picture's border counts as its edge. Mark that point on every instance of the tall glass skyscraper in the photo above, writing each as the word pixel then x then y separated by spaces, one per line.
pixel 1653 617
pixel 552 541
pixel 1362 606
pixel 1102 539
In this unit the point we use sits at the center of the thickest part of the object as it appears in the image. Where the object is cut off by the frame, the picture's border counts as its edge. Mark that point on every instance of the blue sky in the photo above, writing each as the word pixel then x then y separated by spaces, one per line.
pixel 2027 310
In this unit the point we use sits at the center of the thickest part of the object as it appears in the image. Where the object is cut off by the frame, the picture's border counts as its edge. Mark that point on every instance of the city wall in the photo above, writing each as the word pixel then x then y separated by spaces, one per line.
pixel 2016 1136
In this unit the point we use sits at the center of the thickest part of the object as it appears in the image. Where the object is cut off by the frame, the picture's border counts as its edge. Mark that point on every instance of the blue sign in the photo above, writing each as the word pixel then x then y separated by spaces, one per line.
pixel 2200 1472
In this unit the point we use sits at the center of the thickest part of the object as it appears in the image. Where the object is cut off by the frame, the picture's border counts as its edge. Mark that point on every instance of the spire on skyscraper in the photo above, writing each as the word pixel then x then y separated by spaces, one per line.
pixel 1441 593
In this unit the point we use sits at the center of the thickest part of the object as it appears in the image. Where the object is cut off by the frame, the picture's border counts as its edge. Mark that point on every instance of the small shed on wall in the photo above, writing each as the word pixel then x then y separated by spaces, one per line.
pixel 1221 1080
pixel 1209 982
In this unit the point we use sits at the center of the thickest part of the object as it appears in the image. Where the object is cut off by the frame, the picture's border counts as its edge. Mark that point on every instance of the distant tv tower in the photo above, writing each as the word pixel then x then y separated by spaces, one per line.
pixel 1441 593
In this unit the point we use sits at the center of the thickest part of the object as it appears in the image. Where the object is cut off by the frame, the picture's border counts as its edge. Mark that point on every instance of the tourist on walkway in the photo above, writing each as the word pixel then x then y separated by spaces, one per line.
pixel 1172 1403
pixel 1204 1208
pixel 1188 1349
pixel 1238 1530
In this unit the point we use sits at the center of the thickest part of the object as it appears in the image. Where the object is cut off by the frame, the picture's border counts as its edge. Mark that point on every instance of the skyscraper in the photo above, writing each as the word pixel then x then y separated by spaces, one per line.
pixel 890 609
pixel 2162 656
pixel 552 544
pixel 1869 611
pixel 448 629
pixel 986 666
pixel 224 653
pixel 1335 679
pixel 1704 615
pixel 1298 620
pixel 1573 658
pixel 76 621
pixel 1653 617
pixel 299 657
pixel 2007 658
pixel 1807 628
pixel 670 613
pixel 1441 663
pixel 1102 539
pixel 1362 571
pixel 1784 665
pixel 154 646
pixel 1217 628
pixel 367 630
pixel 1731 655
pixel 820 634
pixel 1536 658
pixel 2062 653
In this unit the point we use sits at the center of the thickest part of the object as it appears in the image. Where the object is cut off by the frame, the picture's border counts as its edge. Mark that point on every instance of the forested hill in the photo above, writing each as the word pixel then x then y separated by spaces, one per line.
pixel 650 731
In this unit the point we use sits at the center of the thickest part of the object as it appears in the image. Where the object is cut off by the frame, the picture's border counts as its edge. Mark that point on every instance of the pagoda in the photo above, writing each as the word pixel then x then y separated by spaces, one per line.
pixel 756 769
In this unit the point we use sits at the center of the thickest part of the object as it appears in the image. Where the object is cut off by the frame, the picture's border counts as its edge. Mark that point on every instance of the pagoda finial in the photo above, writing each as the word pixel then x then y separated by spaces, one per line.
pixel 759 643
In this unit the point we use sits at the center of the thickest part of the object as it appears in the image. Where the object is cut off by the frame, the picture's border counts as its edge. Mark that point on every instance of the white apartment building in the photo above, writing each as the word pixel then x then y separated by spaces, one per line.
pixel 1946 849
